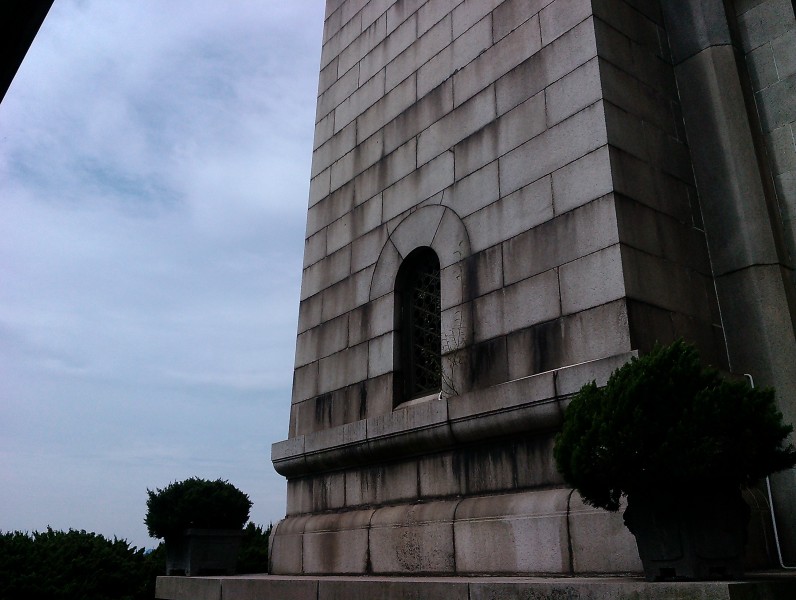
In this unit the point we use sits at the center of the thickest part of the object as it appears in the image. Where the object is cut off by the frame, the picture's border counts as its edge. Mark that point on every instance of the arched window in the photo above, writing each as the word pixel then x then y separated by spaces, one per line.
pixel 418 324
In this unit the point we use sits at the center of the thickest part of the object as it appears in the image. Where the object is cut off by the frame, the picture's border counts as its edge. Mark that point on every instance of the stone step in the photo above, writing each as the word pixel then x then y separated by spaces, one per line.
pixel 759 586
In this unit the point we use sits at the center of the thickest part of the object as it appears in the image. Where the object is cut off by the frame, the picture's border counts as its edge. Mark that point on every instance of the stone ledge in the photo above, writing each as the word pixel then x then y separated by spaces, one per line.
pixel 768 586
pixel 533 403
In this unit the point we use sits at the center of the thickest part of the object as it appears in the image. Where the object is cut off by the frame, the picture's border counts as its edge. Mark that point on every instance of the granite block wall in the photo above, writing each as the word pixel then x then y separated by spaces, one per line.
pixel 767 33
pixel 589 175
pixel 551 133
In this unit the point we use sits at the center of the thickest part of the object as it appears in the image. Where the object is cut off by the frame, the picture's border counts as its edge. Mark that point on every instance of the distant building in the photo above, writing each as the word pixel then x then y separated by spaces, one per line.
pixel 508 200
pixel 19 22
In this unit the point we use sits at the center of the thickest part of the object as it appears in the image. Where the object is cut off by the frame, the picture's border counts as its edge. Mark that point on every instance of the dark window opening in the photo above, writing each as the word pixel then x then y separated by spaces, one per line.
pixel 419 324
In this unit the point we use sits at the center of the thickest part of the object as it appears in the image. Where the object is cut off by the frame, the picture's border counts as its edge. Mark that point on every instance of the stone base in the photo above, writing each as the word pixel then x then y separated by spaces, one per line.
pixel 549 532
pixel 771 586
pixel 533 532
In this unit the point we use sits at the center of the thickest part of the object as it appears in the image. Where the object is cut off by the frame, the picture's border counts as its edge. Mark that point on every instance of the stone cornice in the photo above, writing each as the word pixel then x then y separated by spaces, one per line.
pixel 529 404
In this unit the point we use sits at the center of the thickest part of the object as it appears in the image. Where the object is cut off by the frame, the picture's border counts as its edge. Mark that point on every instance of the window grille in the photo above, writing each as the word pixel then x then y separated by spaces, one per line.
pixel 420 324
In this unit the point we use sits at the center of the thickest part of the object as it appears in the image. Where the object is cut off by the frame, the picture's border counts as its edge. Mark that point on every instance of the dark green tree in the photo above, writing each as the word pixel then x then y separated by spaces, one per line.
pixel 74 565
pixel 253 556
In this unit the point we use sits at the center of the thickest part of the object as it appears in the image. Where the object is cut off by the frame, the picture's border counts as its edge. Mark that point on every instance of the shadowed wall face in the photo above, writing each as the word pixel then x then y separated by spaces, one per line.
pixel 735 69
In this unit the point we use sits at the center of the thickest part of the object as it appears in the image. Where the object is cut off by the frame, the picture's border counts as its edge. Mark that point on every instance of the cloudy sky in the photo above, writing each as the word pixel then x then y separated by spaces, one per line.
pixel 154 169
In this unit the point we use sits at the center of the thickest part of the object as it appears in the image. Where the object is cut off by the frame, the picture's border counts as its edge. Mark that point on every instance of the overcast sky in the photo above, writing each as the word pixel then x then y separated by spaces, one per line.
pixel 154 169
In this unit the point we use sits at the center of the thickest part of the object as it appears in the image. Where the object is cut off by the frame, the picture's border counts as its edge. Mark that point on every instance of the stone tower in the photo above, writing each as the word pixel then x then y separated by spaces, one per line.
pixel 510 198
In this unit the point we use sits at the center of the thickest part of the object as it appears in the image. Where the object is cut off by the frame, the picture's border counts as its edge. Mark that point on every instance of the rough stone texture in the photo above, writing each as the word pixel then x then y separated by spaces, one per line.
pixel 413 538
pixel 532 529
pixel 595 177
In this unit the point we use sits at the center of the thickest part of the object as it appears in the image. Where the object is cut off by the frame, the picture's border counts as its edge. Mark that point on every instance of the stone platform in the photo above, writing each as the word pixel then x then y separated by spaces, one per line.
pixel 758 586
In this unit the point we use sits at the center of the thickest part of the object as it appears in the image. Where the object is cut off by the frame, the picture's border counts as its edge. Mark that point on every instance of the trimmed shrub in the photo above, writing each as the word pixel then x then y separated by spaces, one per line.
pixel 664 423
pixel 195 503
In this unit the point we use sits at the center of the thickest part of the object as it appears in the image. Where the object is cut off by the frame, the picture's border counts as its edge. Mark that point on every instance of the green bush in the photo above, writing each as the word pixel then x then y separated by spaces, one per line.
pixel 57 565
pixel 664 423
pixel 195 503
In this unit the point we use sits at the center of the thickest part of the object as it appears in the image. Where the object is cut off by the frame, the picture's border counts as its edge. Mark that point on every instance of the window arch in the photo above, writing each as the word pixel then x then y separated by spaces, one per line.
pixel 418 322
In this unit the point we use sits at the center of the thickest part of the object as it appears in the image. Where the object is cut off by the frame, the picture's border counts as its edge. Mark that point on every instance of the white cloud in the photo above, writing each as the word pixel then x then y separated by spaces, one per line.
pixel 154 165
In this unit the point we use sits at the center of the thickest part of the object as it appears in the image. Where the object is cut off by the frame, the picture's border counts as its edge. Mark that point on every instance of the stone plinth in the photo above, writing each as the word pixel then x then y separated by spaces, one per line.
pixel 271 587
